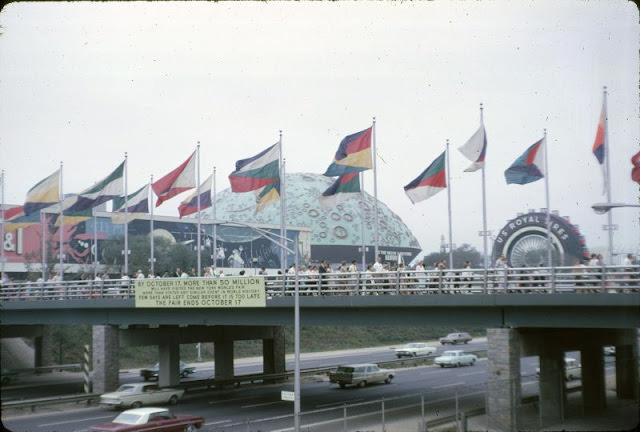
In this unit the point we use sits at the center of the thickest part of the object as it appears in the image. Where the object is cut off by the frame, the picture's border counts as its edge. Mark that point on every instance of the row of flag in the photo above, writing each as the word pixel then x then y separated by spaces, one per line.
pixel 261 174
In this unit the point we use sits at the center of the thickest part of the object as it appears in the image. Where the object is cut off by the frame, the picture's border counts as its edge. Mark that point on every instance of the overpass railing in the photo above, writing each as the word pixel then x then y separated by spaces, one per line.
pixel 542 280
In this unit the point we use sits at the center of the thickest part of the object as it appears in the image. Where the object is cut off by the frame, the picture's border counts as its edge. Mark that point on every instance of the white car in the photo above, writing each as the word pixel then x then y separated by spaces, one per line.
pixel 415 349
pixel 137 394
pixel 455 358
pixel 572 369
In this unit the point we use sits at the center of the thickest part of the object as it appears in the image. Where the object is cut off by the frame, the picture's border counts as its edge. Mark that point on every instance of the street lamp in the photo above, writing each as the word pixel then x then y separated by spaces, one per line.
pixel 281 242
pixel 602 208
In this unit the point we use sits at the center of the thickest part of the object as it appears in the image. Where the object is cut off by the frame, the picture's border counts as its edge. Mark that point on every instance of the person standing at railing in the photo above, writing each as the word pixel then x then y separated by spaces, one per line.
pixel 629 263
pixel 502 267
pixel 466 274
pixel 578 274
pixel 421 276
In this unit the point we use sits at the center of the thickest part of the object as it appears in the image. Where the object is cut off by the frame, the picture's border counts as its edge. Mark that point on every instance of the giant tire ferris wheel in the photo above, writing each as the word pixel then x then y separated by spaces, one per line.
pixel 523 241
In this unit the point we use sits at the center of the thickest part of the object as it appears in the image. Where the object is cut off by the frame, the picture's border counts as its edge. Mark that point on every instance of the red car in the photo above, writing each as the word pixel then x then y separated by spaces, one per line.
pixel 150 419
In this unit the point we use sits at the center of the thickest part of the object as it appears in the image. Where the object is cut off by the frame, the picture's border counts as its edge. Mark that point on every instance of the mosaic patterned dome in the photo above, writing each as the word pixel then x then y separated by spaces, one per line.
pixel 338 226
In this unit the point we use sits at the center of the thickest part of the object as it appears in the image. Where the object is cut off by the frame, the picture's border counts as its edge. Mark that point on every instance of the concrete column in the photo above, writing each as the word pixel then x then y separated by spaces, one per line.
pixel 503 378
pixel 223 356
pixel 43 347
pixel 627 371
pixel 169 359
pixel 273 352
pixel 593 379
pixel 552 385
pixel 106 359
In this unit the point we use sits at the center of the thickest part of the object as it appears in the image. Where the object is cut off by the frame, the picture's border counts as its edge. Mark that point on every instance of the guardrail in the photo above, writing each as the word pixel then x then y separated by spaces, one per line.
pixel 87 398
pixel 541 280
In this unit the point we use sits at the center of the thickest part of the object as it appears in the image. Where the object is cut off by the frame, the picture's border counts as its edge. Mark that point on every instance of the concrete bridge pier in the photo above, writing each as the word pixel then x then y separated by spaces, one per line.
pixel 106 358
pixel 169 364
pixel 223 358
pixel 627 380
pixel 503 378
pixel 553 395
pixel 43 347
pixel 594 396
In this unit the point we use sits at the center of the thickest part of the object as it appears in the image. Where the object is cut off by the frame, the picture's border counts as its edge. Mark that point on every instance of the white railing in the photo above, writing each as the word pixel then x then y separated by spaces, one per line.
pixel 547 280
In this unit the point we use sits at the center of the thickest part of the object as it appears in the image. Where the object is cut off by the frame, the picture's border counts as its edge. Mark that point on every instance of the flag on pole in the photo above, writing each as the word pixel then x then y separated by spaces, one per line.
pixel 599 149
pixel 15 218
pixel 529 167
pixel 45 193
pixel 260 173
pixel 635 171
pixel 190 204
pixel 475 149
pixel 105 190
pixel 177 181
pixel 353 155
pixel 341 190
pixel 137 202
pixel 257 171
pixel 430 182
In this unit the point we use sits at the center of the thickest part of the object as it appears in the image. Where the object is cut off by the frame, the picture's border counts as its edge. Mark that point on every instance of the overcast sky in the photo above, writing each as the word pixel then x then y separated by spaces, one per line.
pixel 83 83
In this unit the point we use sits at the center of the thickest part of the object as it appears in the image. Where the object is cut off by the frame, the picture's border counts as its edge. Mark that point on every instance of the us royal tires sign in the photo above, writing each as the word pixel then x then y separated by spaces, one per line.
pixel 228 292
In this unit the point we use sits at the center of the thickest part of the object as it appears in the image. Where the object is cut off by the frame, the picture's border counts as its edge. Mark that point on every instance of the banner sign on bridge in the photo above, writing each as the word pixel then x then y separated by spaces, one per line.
pixel 227 292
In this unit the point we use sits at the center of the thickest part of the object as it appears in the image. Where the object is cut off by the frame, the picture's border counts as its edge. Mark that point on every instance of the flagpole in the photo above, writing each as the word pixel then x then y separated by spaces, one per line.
pixel 375 189
pixel 215 225
pixel 362 232
pixel 283 199
pixel 449 207
pixel 198 204
pixel 610 226
pixel 61 233
pixel 485 234
pixel 126 214
pixel 546 190
pixel 152 258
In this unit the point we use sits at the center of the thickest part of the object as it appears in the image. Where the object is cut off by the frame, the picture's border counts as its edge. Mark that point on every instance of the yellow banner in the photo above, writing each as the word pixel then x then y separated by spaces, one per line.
pixel 227 292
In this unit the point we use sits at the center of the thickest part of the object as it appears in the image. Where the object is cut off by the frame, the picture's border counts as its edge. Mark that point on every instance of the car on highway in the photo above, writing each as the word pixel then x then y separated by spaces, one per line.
pixel 609 350
pixel 152 373
pixel 415 349
pixel 150 419
pixel 360 375
pixel 572 369
pixel 455 358
pixel 135 395
pixel 456 338
pixel 8 375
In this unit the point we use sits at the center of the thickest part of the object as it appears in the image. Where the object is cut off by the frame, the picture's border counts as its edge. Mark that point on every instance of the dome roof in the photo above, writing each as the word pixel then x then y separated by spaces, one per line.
pixel 339 226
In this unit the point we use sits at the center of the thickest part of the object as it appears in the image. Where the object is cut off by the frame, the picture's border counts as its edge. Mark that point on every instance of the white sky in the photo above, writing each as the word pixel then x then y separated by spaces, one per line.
pixel 83 83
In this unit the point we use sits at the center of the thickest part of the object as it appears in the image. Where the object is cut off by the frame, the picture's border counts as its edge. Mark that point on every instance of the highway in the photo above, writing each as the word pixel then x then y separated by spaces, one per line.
pixel 322 403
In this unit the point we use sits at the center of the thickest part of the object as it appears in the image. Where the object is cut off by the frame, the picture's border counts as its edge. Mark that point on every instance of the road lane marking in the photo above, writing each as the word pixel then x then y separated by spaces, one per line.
pixel 217 422
pixel 336 404
pixel 261 404
pixel 75 421
pixel 472 373
pixel 449 385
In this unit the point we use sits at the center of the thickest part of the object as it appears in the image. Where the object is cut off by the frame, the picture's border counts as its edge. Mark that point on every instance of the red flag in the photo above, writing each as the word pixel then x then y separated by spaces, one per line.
pixel 177 181
pixel 635 171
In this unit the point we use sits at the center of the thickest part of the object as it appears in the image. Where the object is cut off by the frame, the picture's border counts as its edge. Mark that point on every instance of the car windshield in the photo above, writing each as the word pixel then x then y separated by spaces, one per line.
pixel 412 345
pixel 127 418
pixel 347 369
pixel 126 388
pixel 449 353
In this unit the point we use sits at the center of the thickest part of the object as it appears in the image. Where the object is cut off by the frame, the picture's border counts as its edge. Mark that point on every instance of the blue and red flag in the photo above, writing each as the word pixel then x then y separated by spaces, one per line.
pixel 190 204
pixel 353 155
pixel 430 182
pixel 529 167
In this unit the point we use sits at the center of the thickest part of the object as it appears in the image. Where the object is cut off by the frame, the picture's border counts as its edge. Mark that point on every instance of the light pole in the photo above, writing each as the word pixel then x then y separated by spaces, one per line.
pixel 602 208
pixel 281 242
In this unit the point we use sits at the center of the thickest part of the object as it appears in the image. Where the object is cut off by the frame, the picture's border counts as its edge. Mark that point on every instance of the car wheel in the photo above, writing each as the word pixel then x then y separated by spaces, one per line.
pixel 473 362
pixel 136 404
pixel 466 342
pixel 173 400
pixel 399 356
pixel 190 428
pixel 362 383
pixel 441 365
pixel 441 343
pixel 458 364
pixel 415 354
pixel 388 380
pixel 342 385
pixel 146 377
